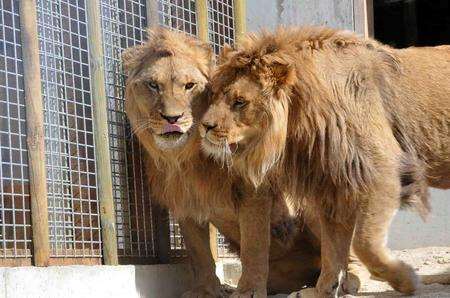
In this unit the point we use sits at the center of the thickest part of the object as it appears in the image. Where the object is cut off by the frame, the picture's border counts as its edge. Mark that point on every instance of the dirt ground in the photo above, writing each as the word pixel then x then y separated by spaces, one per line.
pixel 431 263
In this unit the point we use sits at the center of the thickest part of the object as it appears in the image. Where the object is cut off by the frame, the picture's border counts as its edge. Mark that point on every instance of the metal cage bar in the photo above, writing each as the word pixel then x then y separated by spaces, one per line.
pixel 69 140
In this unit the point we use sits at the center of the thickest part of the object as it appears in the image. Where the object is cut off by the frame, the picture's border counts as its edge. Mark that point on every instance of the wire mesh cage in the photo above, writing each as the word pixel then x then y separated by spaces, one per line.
pixel 73 203
pixel 220 23
pixel 69 140
pixel 178 14
pixel 15 216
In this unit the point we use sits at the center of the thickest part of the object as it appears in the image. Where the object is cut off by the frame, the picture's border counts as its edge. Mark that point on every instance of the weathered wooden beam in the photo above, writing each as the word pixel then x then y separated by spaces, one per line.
pixel 152 13
pixel 35 132
pixel 202 19
pixel 103 159
pixel 240 21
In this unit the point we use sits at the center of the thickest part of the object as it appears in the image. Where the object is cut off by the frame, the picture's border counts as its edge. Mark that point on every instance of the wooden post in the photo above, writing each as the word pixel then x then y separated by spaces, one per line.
pixel 35 131
pixel 104 182
pixel 202 19
pixel 152 13
pixel 202 29
pixel 240 21
pixel 363 17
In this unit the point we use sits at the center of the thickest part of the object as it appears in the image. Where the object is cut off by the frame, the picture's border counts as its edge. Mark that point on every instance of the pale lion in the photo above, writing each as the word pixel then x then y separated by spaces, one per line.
pixel 355 127
pixel 166 92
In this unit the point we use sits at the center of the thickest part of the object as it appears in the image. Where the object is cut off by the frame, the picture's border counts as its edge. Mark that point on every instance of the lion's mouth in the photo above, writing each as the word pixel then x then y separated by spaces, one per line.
pixel 224 146
pixel 172 134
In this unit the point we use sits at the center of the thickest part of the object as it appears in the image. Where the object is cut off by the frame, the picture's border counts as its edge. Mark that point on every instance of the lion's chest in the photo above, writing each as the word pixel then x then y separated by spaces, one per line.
pixel 193 193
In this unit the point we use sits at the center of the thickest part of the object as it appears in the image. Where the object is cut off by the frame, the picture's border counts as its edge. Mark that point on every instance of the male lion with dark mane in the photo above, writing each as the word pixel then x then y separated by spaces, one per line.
pixel 356 128
pixel 166 93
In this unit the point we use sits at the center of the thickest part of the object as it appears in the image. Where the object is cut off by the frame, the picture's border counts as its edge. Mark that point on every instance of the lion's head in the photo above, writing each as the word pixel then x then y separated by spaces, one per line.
pixel 247 122
pixel 167 79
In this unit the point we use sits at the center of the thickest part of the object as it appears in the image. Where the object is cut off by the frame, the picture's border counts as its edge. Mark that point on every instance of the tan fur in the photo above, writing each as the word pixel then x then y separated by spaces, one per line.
pixel 191 185
pixel 353 126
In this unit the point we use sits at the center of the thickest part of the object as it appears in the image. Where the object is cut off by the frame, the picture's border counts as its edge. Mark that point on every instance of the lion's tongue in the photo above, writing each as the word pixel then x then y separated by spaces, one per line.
pixel 171 128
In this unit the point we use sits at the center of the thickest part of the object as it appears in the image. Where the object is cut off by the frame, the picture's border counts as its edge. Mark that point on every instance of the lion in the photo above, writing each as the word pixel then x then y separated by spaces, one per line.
pixel 167 92
pixel 353 127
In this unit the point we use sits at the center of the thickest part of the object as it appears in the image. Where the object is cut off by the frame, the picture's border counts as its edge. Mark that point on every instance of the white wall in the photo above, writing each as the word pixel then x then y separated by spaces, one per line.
pixel 407 230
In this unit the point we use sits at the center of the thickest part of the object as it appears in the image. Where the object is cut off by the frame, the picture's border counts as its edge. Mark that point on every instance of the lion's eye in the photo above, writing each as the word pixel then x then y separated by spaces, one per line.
pixel 239 103
pixel 153 86
pixel 189 86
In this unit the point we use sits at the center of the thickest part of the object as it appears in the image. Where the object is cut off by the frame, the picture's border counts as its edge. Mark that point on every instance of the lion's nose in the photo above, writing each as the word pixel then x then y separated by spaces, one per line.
pixel 171 119
pixel 209 126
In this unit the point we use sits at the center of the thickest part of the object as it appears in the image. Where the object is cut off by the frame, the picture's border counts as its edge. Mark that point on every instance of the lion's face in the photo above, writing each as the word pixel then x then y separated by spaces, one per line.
pixel 166 87
pixel 234 120
pixel 165 93
pixel 246 124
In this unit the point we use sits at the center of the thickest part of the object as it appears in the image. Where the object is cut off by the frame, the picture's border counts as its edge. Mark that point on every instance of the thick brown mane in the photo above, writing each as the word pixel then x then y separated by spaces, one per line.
pixel 356 128
pixel 321 77
pixel 163 43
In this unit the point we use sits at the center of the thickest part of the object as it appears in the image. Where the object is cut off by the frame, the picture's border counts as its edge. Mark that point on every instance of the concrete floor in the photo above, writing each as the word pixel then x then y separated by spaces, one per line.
pixel 431 263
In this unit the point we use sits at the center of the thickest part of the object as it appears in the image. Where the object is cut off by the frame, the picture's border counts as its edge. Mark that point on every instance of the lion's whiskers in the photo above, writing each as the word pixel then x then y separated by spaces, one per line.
pixel 140 127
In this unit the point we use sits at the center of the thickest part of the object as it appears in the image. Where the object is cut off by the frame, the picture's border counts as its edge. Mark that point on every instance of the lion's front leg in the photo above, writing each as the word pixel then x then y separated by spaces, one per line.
pixel 254 223
pixel 356 273
pixel 205 282
pixel 335 239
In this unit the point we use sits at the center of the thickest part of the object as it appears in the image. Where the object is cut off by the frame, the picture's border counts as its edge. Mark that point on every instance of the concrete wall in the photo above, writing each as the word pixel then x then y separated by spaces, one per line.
pixel 155 281
pixel 407 230
pixel 272 13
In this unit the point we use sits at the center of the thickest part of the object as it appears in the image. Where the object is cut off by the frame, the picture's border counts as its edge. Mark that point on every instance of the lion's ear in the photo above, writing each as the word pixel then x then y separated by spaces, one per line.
pixel 132 57
pixel 225 53
pixel 281 70
pixel 284 74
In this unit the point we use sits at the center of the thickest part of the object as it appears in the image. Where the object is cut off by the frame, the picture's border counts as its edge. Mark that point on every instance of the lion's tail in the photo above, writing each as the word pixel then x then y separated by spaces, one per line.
pixel 414 194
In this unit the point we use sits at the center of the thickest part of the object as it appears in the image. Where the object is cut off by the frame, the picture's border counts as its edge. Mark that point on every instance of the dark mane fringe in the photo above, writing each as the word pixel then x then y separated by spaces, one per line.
pixel 322 155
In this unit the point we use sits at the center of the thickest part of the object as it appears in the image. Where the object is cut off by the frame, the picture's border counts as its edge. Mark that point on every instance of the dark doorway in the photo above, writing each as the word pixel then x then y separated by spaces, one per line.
pixel 404 23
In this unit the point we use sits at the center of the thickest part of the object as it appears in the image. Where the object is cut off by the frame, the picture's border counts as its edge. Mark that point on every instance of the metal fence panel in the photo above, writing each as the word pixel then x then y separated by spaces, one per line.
pixel 69 142
pixel 220 23
pixel 71 172
pixel 178 14
pixel 15 217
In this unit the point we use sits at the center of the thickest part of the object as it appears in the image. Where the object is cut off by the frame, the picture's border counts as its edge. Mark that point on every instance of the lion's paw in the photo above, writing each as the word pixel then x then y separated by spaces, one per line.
pixel 305 293
pixel 351 284
pixel 254 293
pixel 405 280
pixel 204 292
